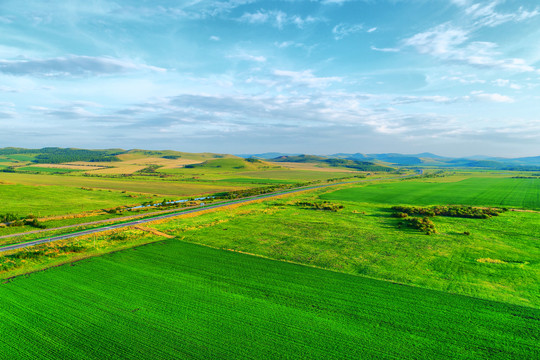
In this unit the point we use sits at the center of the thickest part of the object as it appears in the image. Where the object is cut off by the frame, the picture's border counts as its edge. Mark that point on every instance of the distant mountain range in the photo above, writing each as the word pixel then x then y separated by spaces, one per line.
pixel 422 160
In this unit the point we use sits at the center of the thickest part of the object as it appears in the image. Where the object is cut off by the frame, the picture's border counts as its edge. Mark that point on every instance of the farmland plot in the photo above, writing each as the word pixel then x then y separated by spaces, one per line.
pixel 178 300
pixel 476 191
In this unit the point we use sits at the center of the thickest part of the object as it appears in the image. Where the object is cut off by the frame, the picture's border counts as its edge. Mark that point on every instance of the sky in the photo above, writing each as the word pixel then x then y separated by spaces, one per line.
pixel 452 77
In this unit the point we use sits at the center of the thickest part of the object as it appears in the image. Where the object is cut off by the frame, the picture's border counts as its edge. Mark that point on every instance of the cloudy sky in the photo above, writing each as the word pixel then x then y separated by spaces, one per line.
pixel 454 77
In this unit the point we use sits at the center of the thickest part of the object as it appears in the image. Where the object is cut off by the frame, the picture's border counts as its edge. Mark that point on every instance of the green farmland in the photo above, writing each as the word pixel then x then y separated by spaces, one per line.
pixel 475 191
pixel 177 300
pixel 57 200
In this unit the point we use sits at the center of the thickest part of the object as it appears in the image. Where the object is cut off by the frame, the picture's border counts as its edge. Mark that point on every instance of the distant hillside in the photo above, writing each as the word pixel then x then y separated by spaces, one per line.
pixel 232 164
pixel 172 154
pixel 267 156
pixel 300 158
pixel 54 155
pixel 351 164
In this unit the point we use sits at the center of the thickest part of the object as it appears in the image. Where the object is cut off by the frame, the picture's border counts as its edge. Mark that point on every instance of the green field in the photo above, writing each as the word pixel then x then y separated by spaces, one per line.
pixel 52 200
pixel 476 191
pixel 144 185
pixel 46 170
pixel 177 300
pixel 364 239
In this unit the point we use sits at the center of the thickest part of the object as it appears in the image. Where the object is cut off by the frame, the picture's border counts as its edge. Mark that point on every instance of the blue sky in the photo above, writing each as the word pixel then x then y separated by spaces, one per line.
pixel 454 77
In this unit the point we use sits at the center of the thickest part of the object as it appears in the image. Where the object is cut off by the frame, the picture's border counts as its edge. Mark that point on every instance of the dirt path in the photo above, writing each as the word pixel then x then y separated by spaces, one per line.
pixel 153 231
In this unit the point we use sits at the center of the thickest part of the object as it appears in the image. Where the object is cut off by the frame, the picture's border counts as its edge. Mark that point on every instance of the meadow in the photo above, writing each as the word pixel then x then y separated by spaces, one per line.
pixel 350 280
pixel 178 300
pixel 471 190
pixel 43 201
pixel 498 260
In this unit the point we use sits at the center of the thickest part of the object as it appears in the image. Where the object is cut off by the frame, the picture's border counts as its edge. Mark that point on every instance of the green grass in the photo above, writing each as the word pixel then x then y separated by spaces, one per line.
pixel 58 200
pixel 257 181
pixel 364 239
pixel 21 157
pixel 476 191
pixel 145 185
pixel 46 170
pixel 177 300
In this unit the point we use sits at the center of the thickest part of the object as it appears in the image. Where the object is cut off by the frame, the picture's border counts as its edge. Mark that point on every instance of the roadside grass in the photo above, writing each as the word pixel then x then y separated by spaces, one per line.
pixel 178 300
pixel 476 191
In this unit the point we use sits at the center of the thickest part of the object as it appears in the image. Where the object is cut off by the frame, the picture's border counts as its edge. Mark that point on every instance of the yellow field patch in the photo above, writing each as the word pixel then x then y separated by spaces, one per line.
pixel 133 163
pixel 123 169
pixel 490 261
pixel 153 231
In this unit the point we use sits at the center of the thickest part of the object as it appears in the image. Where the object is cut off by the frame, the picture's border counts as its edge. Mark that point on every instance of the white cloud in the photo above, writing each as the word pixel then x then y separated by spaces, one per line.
pixel 215 38
pixel 334 2
pixel 342 30
pixel 498 98
pixel 247 57
pixel 372 30
pixel 416 99
pixel 72 66
pixel 307 78
pixel 486 15
pixel 452 44
pixel 385 49
pixel 506 83
pixel 276 18
pixel 464 79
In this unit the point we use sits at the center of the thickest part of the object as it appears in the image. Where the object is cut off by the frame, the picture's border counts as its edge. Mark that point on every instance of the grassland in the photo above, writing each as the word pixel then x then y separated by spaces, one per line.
pixel 364 239
pixel 471 190
pixel 146 185
pixel 43 201
pixel 45 169
pixel 498 260
pixel 177 300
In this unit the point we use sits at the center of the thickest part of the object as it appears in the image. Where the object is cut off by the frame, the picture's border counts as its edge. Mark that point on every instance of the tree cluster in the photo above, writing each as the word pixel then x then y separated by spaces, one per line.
pixel 324 205
pixel 447 210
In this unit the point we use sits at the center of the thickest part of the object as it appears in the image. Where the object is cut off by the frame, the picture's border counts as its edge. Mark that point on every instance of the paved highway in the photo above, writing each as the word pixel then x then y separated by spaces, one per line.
pixel 175 214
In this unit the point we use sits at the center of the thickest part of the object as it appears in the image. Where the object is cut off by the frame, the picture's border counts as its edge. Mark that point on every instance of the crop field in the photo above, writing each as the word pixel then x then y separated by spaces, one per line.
pixel 311 166
pixel 299 175
pixel 44 169
pixel 499 260
pixel 149 186
pixel 52 200
pixel 178 300
pixel 477 191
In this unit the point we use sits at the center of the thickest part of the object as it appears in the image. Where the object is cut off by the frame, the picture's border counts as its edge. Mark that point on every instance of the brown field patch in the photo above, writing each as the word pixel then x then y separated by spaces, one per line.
pixel 153 231
pixel 133 164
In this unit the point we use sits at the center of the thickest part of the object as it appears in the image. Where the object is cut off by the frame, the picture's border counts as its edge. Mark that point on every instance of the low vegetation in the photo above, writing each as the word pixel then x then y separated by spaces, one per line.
pixel 177 300
pixel 449 211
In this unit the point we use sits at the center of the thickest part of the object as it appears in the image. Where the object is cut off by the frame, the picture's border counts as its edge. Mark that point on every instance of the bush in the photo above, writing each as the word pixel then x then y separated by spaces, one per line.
pixel 425 225
pixel 400 215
